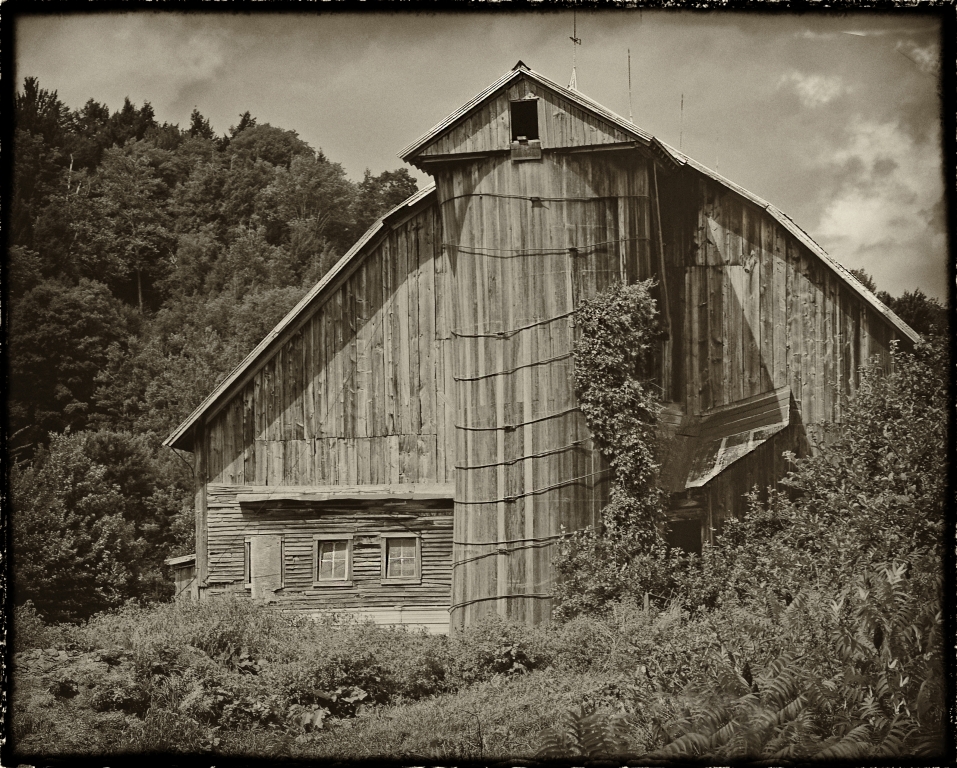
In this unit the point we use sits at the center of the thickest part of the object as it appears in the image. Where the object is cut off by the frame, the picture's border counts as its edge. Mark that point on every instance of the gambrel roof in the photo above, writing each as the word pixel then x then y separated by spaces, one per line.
pixel 669 157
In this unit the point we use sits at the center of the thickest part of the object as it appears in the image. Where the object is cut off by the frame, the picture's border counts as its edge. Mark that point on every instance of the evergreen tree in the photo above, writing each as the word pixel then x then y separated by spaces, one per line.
pixel 199 126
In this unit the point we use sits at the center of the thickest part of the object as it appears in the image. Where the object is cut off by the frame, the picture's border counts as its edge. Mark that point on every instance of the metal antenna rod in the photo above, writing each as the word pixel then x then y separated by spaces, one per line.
pixel 681 122
pixel 631 116
pixel 576 41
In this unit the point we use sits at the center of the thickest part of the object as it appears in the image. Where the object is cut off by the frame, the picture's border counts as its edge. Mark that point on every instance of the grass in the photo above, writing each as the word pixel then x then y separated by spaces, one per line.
pixel 492 720
pixel 230 677
pixel 238 679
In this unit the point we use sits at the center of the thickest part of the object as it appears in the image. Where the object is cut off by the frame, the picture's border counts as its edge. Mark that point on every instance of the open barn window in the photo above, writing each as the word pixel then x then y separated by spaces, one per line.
pixel 401 559
pixel 524 120
pixel 332 560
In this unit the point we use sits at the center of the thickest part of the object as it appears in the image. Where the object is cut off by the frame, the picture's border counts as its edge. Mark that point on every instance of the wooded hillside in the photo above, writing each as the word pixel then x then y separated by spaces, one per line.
pixel 146 260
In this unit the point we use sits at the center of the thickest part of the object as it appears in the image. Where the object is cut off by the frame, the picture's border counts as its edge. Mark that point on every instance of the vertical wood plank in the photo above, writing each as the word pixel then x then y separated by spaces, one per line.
pixel 388 334
pixel 349 359
pixel 363 343
pixel 780 311
pixel 376 353
pixel 415 336
pixel 402 371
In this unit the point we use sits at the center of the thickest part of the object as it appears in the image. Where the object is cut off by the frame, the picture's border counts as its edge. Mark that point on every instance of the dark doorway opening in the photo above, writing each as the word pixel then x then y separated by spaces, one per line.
pixel 525 120
pixel 686 535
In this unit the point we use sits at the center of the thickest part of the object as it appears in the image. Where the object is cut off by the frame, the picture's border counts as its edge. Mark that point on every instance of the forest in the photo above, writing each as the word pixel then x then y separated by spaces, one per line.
pixel 146 260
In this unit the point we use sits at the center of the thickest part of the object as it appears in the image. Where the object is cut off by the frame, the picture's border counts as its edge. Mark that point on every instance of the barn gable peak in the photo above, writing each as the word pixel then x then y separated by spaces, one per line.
pixel 489 122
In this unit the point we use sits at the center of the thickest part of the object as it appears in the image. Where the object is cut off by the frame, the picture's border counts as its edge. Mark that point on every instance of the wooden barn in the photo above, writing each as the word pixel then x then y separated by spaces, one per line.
pixel 406 443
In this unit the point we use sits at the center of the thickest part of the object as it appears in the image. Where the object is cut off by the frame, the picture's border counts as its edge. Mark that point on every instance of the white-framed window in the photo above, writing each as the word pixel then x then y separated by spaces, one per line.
pixel 264 561
pixel 332 559
pixel 401 558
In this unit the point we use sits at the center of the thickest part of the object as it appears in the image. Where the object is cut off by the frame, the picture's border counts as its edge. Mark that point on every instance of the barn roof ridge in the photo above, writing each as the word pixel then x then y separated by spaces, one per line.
pixel 523 70
pixel 263 346
pixel 674 156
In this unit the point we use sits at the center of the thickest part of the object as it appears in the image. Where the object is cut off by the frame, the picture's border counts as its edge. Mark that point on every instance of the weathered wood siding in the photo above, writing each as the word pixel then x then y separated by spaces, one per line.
pixel 561 124
pixel 762 311
pixel 529 241
pixel 359 393
pixel 230 523
pixel 184 582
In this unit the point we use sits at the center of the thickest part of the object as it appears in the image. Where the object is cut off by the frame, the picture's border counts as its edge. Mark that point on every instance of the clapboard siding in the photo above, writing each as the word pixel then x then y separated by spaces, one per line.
pixel 230 523
pixel 355 395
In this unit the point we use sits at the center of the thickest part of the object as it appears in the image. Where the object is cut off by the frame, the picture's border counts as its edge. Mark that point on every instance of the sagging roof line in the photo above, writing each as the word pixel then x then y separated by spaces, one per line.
pixel 259 351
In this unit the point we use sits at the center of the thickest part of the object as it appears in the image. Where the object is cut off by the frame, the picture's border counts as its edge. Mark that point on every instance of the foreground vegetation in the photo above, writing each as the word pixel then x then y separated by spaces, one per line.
pixel 812 629
pixel 234 678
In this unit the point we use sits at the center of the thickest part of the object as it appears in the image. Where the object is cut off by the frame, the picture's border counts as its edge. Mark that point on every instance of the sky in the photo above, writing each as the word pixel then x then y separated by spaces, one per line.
pixel 835 119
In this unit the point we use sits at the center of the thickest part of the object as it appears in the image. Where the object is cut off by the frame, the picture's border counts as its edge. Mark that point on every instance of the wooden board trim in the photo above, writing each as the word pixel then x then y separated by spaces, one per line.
pixel 333 493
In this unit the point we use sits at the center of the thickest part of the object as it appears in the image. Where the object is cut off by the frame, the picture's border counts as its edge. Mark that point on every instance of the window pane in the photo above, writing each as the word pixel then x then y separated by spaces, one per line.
pixel 400 558
pixel 333 560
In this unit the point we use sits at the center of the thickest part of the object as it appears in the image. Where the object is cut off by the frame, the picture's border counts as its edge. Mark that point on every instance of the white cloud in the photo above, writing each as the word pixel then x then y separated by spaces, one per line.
pixel 882 217
pixel 927 58
pixel 813 90
pixel 811 34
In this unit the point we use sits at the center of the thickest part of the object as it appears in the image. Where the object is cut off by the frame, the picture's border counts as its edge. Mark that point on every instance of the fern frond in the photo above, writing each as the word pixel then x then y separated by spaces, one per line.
pixel 688 745
pixel 603 736
pixel 852 745
pixel 552 743
pixel 721 736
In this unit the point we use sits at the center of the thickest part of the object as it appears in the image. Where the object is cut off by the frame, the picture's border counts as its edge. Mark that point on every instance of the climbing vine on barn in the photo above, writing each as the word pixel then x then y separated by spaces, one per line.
pixel 614 355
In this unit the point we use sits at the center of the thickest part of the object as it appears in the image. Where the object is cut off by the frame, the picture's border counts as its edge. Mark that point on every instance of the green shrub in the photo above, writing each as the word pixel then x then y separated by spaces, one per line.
pixel 839 672
pixel 129 696
pixel 30 631
pixel 497 719
pixel 343 665
pixel 236 664
pixel 169 731
pixel 496 646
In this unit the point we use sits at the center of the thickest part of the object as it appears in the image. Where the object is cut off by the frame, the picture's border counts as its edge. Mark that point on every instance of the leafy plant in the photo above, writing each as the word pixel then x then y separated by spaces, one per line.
pixel 496 646
pixel 613 355
pixel 577 734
